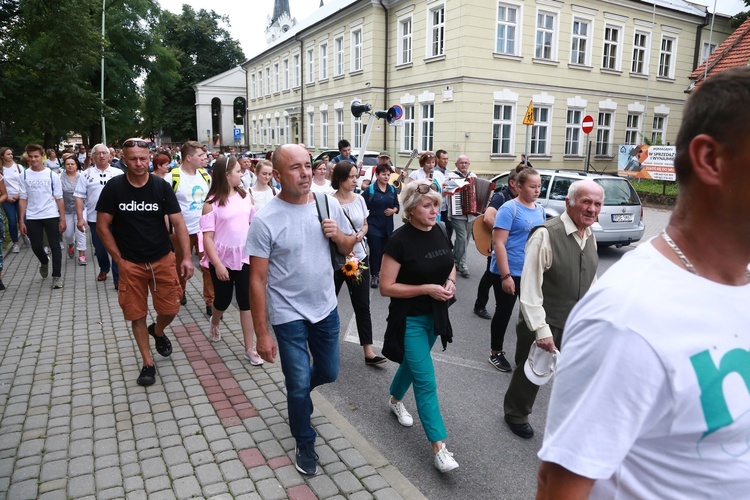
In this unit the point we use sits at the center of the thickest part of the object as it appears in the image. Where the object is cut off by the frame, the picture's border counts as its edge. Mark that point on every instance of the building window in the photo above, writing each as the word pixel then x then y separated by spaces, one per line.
pixel 502 129
pixel 545 35
pixel 278 131
pixel 310 65
pixel 324 129
pixel 540 132
pixel 640 51
pixel 356 132
pixel 427 126
pixel 658 131
pixel 260 83
pixel 310 130
pixel 323 50
pixel 286 130
pixel 276 77
pixel 407 136
pixel 252 132
pixel 708 49
pixel 611 48
pixel 339 132
pixel 579 42
pixel 252 86
pixel 507 29
pixel 356 50
pixel 404 41
pixel 285 68
pixel 295 69
pixel 573 132
pixel 633 128
pixel 436 32
pixel 269 132
pixel 665 57
pixel 604 134
pixel 268 81
pixel 338 66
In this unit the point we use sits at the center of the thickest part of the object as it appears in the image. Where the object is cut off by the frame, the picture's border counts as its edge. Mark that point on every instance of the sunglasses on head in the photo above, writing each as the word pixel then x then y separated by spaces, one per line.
pixel 425 188
pixel 133 143
pixel 427 157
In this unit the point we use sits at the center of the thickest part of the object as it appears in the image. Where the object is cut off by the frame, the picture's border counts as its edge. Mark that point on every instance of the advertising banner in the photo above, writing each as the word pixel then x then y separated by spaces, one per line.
pixel 646 162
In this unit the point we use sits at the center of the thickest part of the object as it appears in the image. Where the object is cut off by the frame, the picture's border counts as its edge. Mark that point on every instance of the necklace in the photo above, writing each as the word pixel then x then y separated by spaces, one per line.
pixel 688 265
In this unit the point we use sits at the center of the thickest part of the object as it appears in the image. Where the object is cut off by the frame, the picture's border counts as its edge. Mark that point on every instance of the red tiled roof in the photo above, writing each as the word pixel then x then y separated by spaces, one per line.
pixel 734 52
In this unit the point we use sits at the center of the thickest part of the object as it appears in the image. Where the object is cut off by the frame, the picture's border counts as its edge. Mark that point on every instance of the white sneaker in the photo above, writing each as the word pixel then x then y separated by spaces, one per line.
pixel 404 418
pixel 253 357
pixel 444 461
pixel 16 248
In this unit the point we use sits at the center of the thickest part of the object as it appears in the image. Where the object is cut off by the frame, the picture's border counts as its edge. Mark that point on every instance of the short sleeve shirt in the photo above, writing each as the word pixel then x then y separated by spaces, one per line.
pixel 138 217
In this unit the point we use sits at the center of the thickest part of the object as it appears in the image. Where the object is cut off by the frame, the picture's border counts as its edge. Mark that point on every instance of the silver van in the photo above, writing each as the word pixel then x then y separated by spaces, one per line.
pixel 621 219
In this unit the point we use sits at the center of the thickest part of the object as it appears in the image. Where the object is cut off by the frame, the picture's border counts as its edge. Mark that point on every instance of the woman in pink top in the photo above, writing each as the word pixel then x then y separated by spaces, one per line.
pixel 226 219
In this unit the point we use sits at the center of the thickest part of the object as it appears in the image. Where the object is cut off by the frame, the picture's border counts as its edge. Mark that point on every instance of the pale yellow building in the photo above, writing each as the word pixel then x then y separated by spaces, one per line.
pixel 465 72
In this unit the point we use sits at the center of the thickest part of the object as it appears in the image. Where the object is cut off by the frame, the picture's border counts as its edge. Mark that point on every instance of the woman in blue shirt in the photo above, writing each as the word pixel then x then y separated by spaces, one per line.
pixel 513 223
pixel 382 202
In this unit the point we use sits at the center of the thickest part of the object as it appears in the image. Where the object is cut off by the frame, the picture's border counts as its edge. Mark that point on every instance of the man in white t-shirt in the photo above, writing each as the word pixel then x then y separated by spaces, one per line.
pixel 42 210
pixel 652 390
pixel 190 183
pixel 88 189
pixel 300 298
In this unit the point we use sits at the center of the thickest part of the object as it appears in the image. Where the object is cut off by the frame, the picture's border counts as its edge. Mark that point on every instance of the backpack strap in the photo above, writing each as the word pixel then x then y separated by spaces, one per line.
pixel 175 178
pixel 205 175
pixel 321 203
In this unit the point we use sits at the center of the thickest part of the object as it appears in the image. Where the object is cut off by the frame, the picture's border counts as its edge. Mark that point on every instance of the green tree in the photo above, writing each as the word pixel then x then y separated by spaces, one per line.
pixel 740 17
pixel 203 48
pixel 50 70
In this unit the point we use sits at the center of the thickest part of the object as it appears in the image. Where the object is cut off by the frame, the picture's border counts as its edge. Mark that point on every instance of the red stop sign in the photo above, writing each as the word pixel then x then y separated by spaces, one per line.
pixel 587 125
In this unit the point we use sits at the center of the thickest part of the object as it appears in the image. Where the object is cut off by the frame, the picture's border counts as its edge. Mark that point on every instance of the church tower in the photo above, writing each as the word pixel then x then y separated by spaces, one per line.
pixel 280 23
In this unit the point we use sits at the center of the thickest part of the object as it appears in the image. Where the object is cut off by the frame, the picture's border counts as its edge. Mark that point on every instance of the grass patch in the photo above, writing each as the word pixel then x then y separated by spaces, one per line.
pixel 651 186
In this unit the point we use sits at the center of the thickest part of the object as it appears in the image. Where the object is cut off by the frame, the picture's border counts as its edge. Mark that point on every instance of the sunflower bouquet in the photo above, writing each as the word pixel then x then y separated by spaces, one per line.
pixel 353 269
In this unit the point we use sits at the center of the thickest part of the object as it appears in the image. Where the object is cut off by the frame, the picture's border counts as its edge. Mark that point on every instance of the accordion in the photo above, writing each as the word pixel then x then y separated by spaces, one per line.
pixel 473 198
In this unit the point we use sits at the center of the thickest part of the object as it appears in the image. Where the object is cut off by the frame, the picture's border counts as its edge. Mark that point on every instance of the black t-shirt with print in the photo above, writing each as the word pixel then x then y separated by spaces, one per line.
pixel 425 257
pixel 138 217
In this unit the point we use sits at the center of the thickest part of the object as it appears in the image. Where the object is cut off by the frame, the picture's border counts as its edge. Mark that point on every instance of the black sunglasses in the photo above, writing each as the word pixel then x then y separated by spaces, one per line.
pixel 133 143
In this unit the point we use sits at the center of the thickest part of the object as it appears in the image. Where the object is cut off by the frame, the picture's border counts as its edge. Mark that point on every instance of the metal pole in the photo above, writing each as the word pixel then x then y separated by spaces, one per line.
pixel 104 126
pixel 588 152
pixel 710 39
pixel 526 146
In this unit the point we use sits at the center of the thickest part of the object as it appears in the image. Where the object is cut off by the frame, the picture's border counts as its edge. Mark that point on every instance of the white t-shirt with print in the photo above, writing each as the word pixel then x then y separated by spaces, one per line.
pixel 89 187
pixel 41 190
pixel 191 193
pixel 652 392
pixel 12 176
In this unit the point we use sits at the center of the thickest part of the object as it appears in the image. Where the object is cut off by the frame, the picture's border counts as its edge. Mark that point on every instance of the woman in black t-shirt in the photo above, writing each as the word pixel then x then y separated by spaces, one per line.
pixel 418 274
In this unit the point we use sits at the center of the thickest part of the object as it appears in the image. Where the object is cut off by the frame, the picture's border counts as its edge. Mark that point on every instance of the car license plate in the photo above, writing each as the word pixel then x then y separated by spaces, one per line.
pixel 622 217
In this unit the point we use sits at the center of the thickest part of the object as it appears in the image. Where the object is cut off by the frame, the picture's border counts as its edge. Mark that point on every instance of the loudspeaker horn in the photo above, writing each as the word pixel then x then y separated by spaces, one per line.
pixel 358 109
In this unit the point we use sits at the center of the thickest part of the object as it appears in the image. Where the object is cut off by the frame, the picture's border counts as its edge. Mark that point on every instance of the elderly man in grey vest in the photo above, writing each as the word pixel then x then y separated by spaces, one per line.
pixel 559 267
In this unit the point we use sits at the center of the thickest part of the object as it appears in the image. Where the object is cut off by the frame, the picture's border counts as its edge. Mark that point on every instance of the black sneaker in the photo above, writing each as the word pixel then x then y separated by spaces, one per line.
pixel 148 376
pixel 44 270
pixel 306 459
pixel 374 282
pixel 209 311
pixel 482 312
pixel 2 287
pixel 163 345
pixel 498 361
pixel 183 300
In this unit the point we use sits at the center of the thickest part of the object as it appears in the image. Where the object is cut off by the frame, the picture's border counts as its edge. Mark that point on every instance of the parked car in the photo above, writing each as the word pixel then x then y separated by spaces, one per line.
pixel 368 169
pixel 621 219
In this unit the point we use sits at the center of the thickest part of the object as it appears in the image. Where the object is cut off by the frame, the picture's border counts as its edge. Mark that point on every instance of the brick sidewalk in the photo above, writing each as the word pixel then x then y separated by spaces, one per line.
pixel 74 423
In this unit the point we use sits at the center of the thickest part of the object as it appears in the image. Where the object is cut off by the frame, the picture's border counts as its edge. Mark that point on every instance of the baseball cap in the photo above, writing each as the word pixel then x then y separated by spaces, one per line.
pixel 384 154
pixel 540 365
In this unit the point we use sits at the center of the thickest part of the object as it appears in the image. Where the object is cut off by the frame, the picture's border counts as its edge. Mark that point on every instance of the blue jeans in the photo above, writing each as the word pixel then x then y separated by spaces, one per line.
pixel 301 376
pixel 417 370
pixel 102 257
pixel 11 210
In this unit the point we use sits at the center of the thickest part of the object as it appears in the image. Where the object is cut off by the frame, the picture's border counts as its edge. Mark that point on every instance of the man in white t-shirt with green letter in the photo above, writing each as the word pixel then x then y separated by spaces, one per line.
pixel 652 390
pixel 190 183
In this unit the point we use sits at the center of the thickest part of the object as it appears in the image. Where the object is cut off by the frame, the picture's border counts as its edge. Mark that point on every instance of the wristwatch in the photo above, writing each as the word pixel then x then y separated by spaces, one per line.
pixel 504 277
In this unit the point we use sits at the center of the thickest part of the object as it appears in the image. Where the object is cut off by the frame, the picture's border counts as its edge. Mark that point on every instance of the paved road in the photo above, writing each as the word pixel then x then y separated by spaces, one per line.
pixel 494 463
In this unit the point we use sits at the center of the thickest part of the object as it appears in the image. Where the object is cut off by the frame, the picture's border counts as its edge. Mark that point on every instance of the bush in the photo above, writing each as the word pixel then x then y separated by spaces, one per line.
pixel 651 186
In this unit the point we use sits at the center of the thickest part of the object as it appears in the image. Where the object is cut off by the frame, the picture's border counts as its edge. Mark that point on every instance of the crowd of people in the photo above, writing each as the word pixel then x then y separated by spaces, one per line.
pixel 661 389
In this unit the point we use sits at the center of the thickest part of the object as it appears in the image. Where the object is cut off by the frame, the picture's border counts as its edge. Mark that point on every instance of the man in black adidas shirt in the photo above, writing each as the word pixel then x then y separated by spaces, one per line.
pixel 134 205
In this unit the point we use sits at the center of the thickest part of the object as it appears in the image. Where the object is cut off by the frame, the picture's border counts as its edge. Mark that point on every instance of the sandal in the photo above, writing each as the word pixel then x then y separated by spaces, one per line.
pixel 163 345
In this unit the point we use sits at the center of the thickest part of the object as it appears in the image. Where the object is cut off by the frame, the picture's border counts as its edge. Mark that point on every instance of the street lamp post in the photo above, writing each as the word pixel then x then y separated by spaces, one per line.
pixel 104 126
